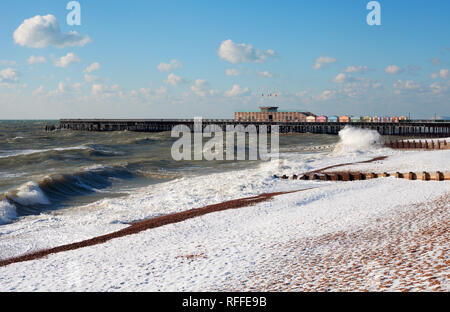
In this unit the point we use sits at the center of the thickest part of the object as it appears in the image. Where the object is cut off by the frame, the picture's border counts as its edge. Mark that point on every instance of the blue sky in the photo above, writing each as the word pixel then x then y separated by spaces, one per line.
pixel 221 56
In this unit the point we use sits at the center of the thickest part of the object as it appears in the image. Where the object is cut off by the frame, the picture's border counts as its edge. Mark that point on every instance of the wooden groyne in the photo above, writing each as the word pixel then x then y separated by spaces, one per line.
pixel 410 128
pixel 418 144
pixel 355 176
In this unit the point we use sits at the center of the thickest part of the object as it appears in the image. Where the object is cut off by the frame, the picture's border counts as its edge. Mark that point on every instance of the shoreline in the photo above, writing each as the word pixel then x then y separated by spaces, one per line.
pixel 301 241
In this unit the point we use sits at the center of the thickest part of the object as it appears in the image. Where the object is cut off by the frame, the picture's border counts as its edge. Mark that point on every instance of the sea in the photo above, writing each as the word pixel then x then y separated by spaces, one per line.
pixel 42 171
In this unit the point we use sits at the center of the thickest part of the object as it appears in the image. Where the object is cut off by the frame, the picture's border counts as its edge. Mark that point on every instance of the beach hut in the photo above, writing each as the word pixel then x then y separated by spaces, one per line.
pixel 376 119
pixel 385 119
pixel 367 119
pixel 322 119
pixel 311 119
pixel 355 119
pixel 403 118
pixel 344 118
pixel 393 119
pixel 333 118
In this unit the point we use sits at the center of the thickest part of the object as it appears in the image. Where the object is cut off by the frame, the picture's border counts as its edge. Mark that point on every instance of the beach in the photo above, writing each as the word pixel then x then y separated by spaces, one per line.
pixel 384 234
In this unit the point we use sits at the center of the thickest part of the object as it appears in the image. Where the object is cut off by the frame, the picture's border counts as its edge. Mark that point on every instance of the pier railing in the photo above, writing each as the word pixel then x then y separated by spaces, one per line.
pixel 410 127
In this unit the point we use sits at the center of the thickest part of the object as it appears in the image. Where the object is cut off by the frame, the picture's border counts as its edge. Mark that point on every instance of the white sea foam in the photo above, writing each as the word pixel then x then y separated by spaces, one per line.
pixel 8 212
pixel 357 140
pixel 29 194
pixel 14 153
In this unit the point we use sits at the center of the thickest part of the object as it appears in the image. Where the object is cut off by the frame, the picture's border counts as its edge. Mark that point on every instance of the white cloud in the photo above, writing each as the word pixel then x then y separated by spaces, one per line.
pixel 302 93
pixel 377 85
pixel 105 91
pixel 91 78
pixel 323 60
pixel 393 69
pixel 93 67
pixel 9 76
pixel 326 95
pixel 265 74
pixel 175 80
pixel 407 85
pixel 438 88
pixel 36 59
pixel 340 78
pixel 232 72
pixel 165 67
pixel 443 73
pixel 62 88
pixel 66 60
pixel 43 31
pixel 436 61
pixel 161 91
pixel 200 87
pixel 237 91
pixel 357 69
pixel 39 91
pixel 242 53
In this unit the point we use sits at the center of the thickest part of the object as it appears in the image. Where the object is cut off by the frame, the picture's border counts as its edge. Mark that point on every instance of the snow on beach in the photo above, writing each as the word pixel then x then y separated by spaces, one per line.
pixel 292 242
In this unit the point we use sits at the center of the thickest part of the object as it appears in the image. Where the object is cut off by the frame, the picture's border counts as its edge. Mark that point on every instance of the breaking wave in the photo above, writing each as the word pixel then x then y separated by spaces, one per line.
pixel 52 191
pixel 357 140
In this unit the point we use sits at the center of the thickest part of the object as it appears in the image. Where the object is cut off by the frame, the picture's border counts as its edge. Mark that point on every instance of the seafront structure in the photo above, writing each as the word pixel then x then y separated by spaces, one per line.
pixel 271 113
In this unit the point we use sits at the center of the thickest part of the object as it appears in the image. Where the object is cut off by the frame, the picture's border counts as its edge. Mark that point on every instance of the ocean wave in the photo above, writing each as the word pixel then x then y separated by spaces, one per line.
pixel 52 191
pixel 15 153
pixel 95 149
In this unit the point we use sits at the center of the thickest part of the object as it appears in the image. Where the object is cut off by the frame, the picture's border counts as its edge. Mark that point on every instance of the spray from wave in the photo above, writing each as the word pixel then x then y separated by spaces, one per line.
pixel 357 140
pixel 8 213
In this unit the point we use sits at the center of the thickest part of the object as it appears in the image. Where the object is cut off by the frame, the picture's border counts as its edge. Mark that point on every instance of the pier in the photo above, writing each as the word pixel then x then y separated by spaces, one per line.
pixel 404 128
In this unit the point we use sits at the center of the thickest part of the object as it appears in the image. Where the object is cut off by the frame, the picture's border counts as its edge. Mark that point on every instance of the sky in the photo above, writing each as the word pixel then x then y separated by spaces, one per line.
pixel 182 59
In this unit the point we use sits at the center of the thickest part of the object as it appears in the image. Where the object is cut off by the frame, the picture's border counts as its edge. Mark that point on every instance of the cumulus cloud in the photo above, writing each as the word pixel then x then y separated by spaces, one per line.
pixel 102 90
pixel 242 53
pixel 66 60
pixel 93 67
pixel 393 69
pixel 443 73
pixel 377 85
pixel 326 95
pixel 357 69
pixel 165 67
pixel 9 76
pixel 323 61
pixel 175 80
pixel 91 78
pixel 265 74
pixel 42 31
pixel 36 59
pixel 62 88
pixel 435 61
pixel 237 91
pixel 340 78
pixel 39 91
pixel 232 72
pixel 200 87
pixel 438 88
pixel 407 85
